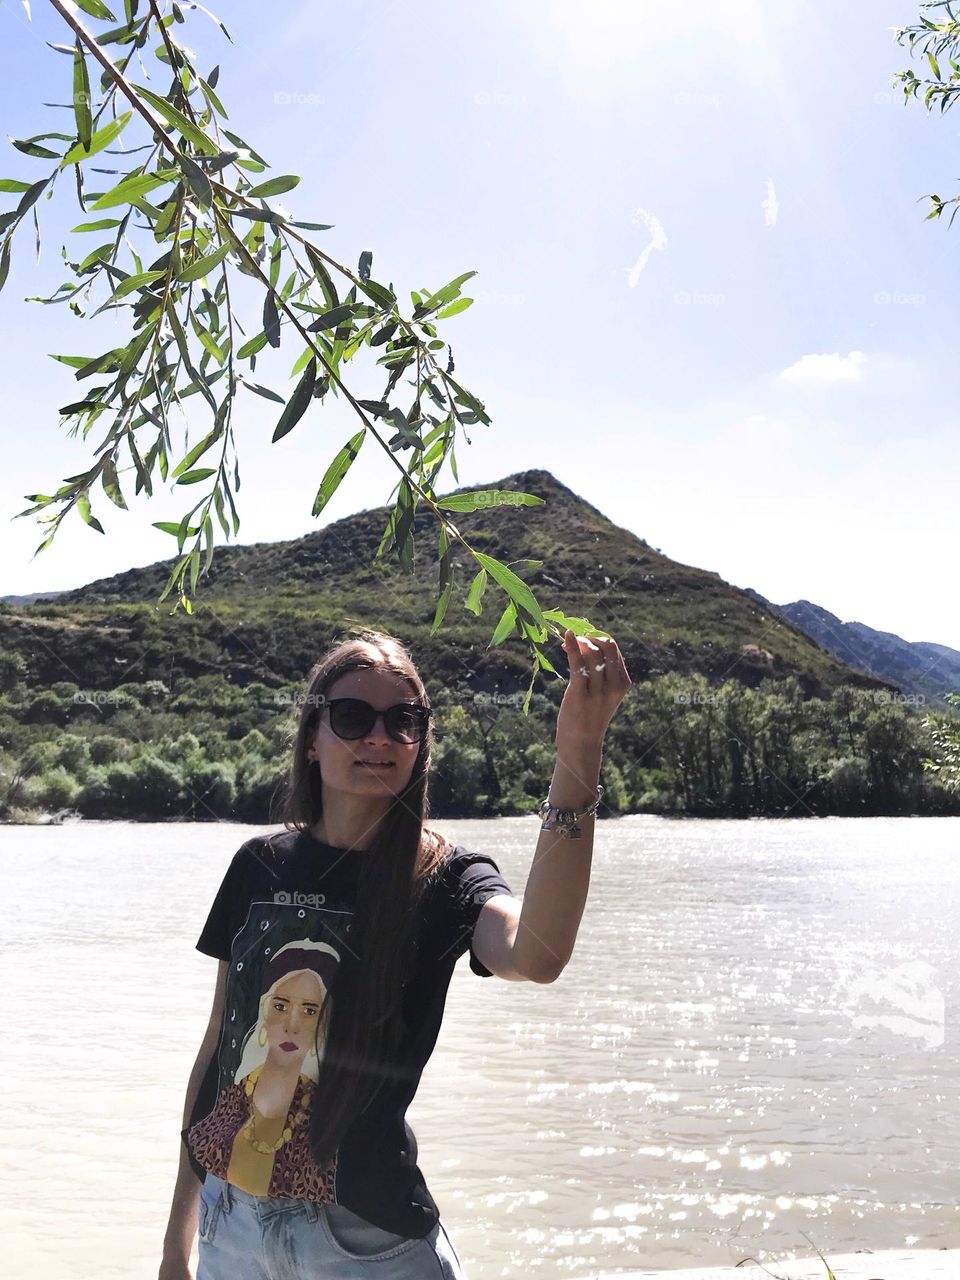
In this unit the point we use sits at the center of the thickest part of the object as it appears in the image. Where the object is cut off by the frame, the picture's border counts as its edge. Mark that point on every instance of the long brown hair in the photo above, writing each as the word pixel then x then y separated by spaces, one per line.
pixel 361 1017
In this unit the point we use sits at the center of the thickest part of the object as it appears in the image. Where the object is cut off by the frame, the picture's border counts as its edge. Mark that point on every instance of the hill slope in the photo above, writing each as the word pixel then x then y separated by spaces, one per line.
pixel 267 609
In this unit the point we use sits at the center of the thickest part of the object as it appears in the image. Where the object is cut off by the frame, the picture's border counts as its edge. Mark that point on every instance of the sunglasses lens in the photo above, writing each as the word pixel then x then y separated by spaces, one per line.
pixel 349 719
pixel 405 723
pixel 352 718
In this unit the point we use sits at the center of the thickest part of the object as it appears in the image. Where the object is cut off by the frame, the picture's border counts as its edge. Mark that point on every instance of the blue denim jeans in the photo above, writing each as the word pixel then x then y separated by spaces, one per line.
pixel 247 1237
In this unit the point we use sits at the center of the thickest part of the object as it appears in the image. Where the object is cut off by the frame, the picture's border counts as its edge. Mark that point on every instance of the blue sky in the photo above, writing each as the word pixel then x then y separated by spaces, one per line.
pixel 707 296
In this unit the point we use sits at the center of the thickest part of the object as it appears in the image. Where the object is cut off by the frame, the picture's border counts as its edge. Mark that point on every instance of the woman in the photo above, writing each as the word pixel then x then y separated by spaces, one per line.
pixel 337 939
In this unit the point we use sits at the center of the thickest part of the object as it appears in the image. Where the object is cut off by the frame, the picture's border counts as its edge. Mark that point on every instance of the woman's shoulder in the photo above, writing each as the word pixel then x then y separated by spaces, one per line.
pixel 458 862
pixel 271 847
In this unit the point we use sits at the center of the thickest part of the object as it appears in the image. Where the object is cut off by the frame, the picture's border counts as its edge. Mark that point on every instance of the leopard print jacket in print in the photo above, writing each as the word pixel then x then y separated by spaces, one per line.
pixel 295 1172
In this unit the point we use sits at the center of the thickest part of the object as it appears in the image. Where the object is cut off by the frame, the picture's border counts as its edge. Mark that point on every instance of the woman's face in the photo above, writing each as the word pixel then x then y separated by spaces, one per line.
pixel 290 1017
pixel 342 760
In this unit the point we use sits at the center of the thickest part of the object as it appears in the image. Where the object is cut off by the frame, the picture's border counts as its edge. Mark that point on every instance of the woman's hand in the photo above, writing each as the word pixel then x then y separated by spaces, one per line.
pixel 598 684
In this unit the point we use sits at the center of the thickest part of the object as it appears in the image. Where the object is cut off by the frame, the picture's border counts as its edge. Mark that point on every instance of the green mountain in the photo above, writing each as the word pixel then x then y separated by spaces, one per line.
pixel 113 707
pixel 266 609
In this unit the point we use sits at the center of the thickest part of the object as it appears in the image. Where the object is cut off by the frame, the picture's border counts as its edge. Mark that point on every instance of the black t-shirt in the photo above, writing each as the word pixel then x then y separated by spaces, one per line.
pixel 280 917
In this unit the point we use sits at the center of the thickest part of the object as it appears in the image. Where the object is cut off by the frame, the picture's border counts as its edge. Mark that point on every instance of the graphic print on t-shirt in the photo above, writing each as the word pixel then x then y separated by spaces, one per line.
pixel 283 963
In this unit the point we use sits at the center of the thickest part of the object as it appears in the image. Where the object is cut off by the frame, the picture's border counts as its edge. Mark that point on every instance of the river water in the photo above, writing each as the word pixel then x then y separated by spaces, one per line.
pixel 754 1049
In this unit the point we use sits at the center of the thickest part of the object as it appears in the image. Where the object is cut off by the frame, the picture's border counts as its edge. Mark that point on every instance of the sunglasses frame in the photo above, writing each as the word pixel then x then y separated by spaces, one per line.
pixel 424 714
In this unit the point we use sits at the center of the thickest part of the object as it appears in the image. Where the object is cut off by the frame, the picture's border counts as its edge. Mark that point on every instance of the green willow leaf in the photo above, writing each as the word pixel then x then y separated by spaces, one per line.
pixel 324 279
pixel 274 187
pixel 515 587
pixel 198 449
pixel 204 265
pixel 383 296
pixel 14 185
pixel 96 9
pixel 337 469
pixel 83 506
pixel 81 96
pixel 297 404
pixel 191 477
pixel 330 319
pixel 111 484
pixel 102 225
pixel 454 308
pixel 98 254
pixel 271 319
pixel 101 139
pixel 252 346
pixel 206 88
pixel 171 526
pixel 139 281
pixel 34 149
pixel 4 262
pixel 129 190
pixel 197 181
pixel 446 294
pixel 475 594
pixel 255 386
pixel 31 196
pixel 445 582
pixel 179 121
pixel 481 499
pixel 270 216
pixel 506 625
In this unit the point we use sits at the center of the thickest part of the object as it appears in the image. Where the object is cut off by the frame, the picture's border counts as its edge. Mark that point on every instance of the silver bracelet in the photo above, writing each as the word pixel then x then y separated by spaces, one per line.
pixel 565 820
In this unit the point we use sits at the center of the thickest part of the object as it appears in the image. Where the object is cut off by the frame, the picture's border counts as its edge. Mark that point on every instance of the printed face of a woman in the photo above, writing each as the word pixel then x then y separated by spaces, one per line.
pixel 291 1017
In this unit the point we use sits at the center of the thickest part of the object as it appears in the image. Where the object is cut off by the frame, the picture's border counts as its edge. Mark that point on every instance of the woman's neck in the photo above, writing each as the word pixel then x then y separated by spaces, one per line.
pixel 347 826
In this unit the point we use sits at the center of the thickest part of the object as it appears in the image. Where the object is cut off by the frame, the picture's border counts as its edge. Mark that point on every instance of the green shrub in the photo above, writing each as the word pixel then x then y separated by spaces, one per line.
pixel 37 758
pixel 161 792
pixel 106 749
pixel 73 753
pixel 54 789
pixel 259 792
pixel 211 790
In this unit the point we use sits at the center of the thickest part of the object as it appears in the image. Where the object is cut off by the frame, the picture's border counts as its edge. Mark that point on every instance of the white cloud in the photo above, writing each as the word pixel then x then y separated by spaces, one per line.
pixel 821 370
pixel 770 206
pixel 658 240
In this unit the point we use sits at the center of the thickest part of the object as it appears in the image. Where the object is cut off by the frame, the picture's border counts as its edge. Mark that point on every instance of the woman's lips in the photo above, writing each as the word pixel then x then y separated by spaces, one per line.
pixel 288 1046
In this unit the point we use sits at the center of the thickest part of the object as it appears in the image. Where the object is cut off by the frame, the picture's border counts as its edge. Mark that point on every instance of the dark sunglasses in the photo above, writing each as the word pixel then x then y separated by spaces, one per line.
pixel 353 718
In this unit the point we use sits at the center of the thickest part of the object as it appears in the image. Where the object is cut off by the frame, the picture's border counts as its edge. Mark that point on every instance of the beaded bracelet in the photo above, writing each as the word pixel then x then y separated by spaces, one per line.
pixel 565 821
